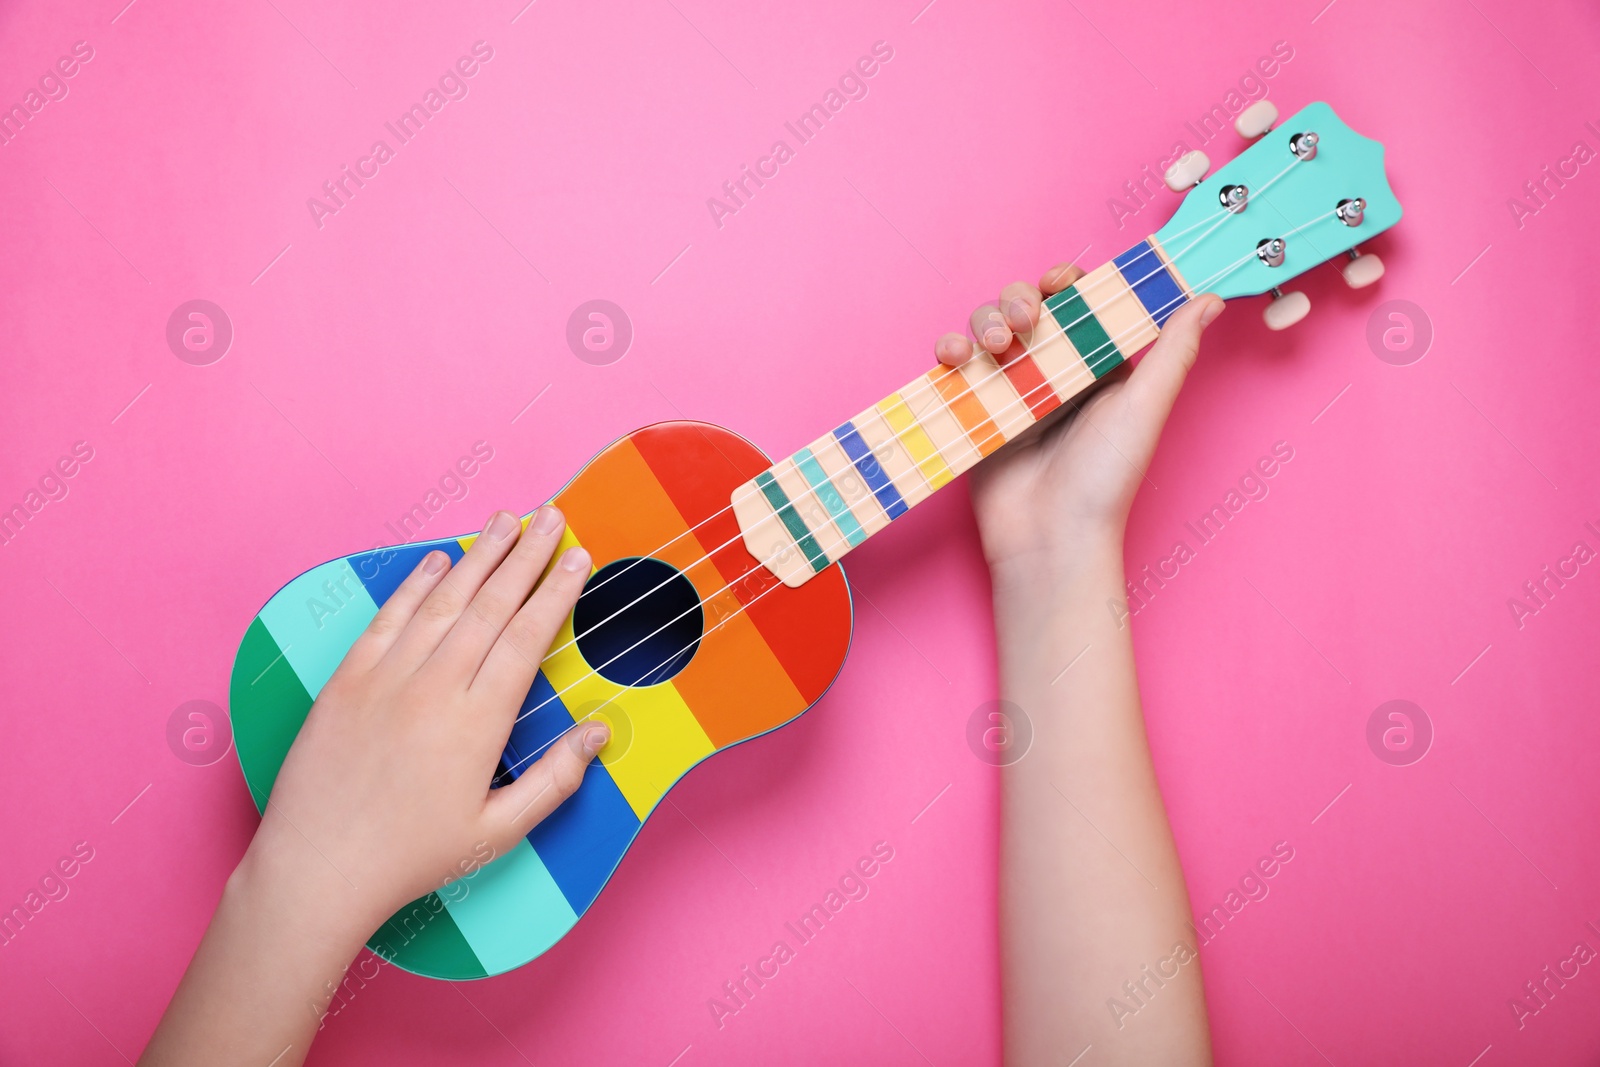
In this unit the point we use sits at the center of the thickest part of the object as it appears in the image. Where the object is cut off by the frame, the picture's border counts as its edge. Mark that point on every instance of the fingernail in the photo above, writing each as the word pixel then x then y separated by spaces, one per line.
pixel 1209 315
pixel 994 338
pixel 595 738
pixel 1017 313
pixel 547 520
pixel 501 525
pixel 436 562
pixel 574 559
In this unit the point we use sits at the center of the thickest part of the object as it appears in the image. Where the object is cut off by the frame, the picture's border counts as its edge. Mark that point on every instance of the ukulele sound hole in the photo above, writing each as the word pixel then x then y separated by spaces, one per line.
pixel 638 621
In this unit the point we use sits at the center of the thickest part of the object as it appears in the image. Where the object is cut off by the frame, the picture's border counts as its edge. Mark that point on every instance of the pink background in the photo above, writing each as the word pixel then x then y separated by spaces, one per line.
pixel 377 349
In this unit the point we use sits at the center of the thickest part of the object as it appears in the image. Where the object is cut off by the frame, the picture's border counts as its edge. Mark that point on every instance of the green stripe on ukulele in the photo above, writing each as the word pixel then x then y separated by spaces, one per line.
pixel 797 528
pixel 1094 345
pixel 267 704
pixel 422 938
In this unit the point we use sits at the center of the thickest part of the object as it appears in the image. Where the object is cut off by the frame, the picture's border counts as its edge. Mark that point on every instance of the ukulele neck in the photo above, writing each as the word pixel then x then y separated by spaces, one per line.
pixel 806 511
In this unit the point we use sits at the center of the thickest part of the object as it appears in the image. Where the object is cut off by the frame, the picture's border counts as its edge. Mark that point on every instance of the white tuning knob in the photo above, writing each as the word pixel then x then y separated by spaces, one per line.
pixel 1285 310
pixel 1187 171
pixel 1256 119
pixel 1362 270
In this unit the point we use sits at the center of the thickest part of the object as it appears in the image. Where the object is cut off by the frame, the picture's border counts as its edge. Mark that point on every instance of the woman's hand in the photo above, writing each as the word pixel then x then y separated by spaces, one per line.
pixel 1073 477
pixel 384 795
pixel 389 778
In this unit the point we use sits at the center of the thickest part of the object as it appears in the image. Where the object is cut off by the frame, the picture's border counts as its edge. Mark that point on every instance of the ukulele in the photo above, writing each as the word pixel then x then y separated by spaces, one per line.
pixel 717 610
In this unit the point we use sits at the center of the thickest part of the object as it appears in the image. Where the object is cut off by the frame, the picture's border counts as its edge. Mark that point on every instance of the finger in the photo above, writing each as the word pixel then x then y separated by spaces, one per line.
pixel 503 593
pixel 515 809
pixel 509 668
pixel 444 605
pixel 1154 384
pixel 953 349
pixel 989 327
pixel 386 626
pixel 1019 302
pixel 1059 277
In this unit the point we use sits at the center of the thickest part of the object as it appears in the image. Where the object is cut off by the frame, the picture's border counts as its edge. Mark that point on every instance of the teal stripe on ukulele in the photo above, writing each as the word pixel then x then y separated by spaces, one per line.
pixel 316 618
pixel 877 478
pixel 510 910
pixel 796 526
pixel 807 462
pixel 1094 345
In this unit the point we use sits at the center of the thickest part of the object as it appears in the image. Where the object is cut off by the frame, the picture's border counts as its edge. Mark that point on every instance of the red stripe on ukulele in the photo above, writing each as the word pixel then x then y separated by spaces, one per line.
pixel 1028 380
pixel 699 466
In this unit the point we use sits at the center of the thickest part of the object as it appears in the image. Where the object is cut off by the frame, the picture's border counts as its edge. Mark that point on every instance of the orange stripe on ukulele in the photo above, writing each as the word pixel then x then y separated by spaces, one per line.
pixel 1028 379
pixel 967 408
pixel 806 630
pixel 623 509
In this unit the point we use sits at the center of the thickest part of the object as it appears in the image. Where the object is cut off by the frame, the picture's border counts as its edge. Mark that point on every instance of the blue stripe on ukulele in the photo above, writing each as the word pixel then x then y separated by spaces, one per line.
pixel 383 569
pixel 582 841
pixel 830 497
pixel 1143 270
pixel 865 462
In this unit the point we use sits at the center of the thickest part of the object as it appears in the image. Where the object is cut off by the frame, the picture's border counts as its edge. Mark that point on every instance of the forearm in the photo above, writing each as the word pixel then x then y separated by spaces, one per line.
pixel 281 939
pixel 1091 891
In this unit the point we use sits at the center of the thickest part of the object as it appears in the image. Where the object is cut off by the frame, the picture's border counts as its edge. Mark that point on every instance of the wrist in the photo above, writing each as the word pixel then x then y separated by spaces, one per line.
pixel 284 886
pixel 1070 567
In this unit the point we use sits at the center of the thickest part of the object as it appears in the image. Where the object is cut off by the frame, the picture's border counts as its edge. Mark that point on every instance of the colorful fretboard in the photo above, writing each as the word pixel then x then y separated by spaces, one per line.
pixel 808 510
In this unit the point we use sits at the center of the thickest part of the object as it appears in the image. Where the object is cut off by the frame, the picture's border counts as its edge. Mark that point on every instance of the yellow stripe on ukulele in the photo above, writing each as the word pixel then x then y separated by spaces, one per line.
pixel 666 739
pixel 941 425
pixel 915 438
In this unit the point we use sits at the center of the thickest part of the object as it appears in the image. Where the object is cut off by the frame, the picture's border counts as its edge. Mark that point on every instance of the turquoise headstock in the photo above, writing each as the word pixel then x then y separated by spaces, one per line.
pixel 1318 204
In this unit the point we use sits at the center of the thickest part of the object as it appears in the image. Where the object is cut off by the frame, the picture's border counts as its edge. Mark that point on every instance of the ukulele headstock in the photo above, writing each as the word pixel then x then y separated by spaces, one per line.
pixel 1305 192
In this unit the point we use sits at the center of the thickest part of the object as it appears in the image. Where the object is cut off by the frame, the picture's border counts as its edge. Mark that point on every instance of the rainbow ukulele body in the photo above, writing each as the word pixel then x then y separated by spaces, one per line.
pixel 718 610
pixel 764 654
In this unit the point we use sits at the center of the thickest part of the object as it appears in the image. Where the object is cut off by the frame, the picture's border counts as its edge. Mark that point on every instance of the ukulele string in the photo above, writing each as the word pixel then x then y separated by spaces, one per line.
pixel 759 566
pixel 1219 218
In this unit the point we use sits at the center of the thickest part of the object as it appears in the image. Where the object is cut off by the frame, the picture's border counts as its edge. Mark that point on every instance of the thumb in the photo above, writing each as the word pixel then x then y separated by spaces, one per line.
pixel 555 776
pixel 1154 385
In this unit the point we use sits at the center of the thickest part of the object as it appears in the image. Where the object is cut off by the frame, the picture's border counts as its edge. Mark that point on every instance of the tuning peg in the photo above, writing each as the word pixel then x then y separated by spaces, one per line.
pixel 1187 171
pixel 1363 269
pixel 1285 310
pixel 1256 119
